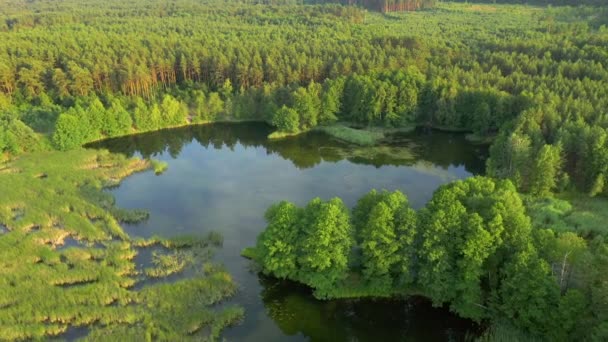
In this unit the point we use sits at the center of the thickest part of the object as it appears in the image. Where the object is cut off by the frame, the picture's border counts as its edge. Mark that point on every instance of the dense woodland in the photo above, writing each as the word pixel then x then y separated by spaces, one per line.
pixel 97 73
pixel 532 79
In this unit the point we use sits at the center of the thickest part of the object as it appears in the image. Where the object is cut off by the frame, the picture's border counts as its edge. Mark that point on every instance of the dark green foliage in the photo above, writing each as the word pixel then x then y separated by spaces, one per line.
pixel 527 293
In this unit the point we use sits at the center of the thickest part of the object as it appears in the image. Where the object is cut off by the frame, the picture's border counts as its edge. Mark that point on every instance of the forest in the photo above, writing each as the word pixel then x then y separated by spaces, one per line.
pixel 529 79
pixel 523 80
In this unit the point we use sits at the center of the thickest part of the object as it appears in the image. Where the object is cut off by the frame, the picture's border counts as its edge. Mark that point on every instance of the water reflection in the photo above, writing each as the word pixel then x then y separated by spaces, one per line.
pixel 223 177
pixel 428 147
pixel 297 313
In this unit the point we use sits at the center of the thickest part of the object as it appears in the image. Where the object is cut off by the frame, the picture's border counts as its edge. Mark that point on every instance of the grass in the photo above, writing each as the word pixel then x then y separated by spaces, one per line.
pixel 368 136
pixel 587 216
pixel 159 167
pixel 53 197
pixel 249 253
pixel 167 264
pixel 359 137
pixel 281 135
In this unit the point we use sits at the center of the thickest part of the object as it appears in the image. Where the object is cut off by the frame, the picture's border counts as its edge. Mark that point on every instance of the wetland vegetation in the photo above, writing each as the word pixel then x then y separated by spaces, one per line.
pixel 512 237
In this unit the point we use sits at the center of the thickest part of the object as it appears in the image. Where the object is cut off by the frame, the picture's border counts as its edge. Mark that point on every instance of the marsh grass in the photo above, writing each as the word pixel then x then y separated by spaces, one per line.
pixel 361 137
pixel 65 262
pixel 281 135
pixel 578 213
pixel 159 167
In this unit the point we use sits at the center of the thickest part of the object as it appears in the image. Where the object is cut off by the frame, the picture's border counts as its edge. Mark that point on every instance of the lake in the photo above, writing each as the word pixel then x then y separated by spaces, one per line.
pixel 223 177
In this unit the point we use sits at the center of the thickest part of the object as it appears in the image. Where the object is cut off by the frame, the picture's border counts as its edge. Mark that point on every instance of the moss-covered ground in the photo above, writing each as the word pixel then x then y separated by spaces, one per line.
pixel 65 261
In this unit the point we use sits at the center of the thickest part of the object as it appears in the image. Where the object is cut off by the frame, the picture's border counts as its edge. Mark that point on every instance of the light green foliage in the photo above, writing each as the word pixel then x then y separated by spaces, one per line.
pixel 510 157
pixel 141 116
pixel 307 104
pixel 173 112
pixel 517 72
pixel 331 101
pixel 53 199
pixel 571 212
pixel 159 167
pixel 17 137
pixel 286 120
pixel 472 246
pixel 467 228
pixel 69 132
pixel 354 136
pixel 277 244
pixel 117 120
pixel 493 70
pixel 215 106
pixel 310 245
pixel 96 113
pixel 385 227
pixel 199 105
pixel 325 243
pixel 545 170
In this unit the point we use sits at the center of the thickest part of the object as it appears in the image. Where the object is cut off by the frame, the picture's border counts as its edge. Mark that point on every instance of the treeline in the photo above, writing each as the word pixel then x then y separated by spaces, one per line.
pixel 396 99
pixel 541 159
pixel 390 99
pixel 541 2
pixel 144 56
pixel 384 5
pixel 472 247
pixel 517 71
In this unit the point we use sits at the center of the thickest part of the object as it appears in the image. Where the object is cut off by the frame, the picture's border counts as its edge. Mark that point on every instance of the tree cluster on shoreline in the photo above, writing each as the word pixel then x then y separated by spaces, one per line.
pixel 472 246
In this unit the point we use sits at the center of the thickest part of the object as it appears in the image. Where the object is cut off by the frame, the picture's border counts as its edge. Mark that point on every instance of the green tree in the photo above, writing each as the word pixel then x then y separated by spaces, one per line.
pixel 325 245
pixel 96 114
pixel 276 247
pixel 141 116
pixel 545 170
pixel 286 120
pixel 468 230
pixel 331 101
pixel 215 106
pixel 173 112
pixel 117 120
pixel 307 104
pixel 527 293
pixel 385 230
pixel 69 133
pixel 124 122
